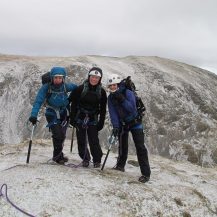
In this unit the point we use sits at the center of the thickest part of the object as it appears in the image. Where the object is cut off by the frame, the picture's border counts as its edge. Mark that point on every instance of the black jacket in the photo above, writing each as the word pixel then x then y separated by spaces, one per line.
pixel 90 101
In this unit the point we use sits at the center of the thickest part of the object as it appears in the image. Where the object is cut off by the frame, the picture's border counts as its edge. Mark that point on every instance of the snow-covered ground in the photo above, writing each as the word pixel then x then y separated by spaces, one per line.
pixel 175 188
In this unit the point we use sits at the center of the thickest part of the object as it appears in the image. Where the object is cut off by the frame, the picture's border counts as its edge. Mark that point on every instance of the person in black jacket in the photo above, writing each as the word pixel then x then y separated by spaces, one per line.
pixel 88 110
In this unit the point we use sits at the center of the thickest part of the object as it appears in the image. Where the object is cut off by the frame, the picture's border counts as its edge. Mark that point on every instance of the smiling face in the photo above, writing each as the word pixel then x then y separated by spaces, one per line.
pixel 57 79
pixel 94 80
pixel 113 87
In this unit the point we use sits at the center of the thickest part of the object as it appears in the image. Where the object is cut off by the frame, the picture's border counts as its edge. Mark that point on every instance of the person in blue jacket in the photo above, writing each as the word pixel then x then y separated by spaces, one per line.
pixel 124 118
pixel 54 95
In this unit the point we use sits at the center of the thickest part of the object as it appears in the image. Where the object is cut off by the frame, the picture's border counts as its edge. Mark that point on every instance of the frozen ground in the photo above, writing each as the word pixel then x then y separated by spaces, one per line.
pixel 175 189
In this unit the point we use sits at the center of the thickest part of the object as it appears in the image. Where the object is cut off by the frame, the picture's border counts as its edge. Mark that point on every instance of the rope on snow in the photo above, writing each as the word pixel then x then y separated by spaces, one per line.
pixel 9 201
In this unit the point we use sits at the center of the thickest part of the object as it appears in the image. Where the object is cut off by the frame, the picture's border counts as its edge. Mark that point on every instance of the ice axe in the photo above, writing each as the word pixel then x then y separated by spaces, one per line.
pixel 30 143
pixel 112 140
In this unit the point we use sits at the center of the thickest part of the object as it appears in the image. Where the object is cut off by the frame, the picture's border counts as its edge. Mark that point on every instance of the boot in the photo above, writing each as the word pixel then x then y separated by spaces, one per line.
pixel 97 165
pixel 65 158
pixel 85 163
pixel 119 168
pixel 143 179
pixel 59 161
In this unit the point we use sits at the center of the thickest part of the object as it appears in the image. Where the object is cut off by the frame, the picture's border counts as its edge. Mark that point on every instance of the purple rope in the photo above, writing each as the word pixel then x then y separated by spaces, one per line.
pixel 9 201
pixel 12 167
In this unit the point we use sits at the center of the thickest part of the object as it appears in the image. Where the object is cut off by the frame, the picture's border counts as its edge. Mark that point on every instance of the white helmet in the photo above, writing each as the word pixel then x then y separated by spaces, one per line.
pixel 113 79
pixel 95 71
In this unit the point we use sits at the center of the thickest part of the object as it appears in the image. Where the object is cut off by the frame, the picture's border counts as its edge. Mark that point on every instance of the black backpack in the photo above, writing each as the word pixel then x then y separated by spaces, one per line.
pixel 128 83
pixel 45 78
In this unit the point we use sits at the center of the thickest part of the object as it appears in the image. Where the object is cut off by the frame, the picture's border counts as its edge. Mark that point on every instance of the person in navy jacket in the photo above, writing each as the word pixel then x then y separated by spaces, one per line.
pixel 124 118
pixel 54 95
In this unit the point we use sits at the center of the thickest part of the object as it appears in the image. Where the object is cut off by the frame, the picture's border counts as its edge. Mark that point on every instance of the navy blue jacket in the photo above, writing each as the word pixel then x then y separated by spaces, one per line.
pixel 125 111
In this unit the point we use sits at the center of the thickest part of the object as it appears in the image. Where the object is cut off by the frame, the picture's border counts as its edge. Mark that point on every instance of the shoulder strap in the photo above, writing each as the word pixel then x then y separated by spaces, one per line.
pixel 65 90
pixel 85 89
pixel 99 91
pixel 65 85
pixel 49 91
pixel 48 94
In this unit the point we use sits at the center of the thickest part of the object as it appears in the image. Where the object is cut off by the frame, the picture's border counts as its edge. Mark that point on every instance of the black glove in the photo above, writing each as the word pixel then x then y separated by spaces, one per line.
pixel 100 125
pixel 115 132
pixel 33 120
pixel 119 96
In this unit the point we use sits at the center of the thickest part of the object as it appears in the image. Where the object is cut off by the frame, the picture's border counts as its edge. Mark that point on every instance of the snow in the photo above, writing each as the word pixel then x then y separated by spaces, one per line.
pixel 175 188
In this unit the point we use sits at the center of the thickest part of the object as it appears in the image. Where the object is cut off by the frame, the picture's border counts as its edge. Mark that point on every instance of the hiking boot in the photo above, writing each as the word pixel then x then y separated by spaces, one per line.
pixel 97 165
pixel 143 179
pixel 119 168
pixel 85 163
pixel 65 159
pixel 60 161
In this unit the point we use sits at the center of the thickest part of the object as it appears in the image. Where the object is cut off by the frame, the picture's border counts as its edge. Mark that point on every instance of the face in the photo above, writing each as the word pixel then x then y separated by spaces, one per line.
pixel 57 79
pixel 94 80
pixel 113 87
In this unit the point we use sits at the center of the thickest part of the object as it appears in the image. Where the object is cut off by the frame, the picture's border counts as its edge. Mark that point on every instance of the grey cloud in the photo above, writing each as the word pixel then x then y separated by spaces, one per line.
pixel 183 30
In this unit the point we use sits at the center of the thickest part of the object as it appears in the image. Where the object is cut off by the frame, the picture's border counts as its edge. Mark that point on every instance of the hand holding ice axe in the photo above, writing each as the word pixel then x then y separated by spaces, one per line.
pixel 112 140
pixel 34 121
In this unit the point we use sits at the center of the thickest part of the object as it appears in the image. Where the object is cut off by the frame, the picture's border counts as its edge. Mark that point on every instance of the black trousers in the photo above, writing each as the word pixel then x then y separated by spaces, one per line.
pixel 141 150
pixel 58 136
pixel 89 134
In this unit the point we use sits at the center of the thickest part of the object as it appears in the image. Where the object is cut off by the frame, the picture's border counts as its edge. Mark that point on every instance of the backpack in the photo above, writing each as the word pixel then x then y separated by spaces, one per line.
pixel 128 84
pixel 45 78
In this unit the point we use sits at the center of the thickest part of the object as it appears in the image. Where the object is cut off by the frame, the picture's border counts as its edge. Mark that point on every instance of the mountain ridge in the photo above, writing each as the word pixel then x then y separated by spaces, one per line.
pixel 181 101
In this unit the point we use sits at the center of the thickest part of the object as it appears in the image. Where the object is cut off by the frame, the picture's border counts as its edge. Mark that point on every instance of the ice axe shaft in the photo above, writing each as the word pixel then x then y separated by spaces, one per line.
pixel 72 140
pixel 103 165
pixel 112 141
pixel 30 144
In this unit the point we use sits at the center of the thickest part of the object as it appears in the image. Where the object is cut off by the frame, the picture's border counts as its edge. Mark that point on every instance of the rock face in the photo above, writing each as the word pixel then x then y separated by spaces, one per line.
pixel 181 101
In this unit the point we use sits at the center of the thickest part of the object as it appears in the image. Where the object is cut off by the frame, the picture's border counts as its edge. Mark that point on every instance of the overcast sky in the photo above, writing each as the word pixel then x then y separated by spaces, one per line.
pixel 183 30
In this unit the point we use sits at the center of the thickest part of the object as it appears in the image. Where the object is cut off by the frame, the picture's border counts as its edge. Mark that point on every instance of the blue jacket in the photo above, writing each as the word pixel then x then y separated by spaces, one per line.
pixel 56 99
pixel 125 111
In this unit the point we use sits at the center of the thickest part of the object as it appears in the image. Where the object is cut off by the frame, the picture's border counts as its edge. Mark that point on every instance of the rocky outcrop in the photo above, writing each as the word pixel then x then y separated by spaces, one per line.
pixel 181 101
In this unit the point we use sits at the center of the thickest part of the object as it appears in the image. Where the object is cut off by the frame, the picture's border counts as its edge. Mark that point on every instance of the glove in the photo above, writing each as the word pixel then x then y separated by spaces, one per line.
pixel 33 120
pixel 115 132
pixel 100 125
pixel 119 96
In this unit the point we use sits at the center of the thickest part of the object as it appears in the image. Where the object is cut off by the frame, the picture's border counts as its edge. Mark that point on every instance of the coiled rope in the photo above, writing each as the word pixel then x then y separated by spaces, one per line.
pixel 9 201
